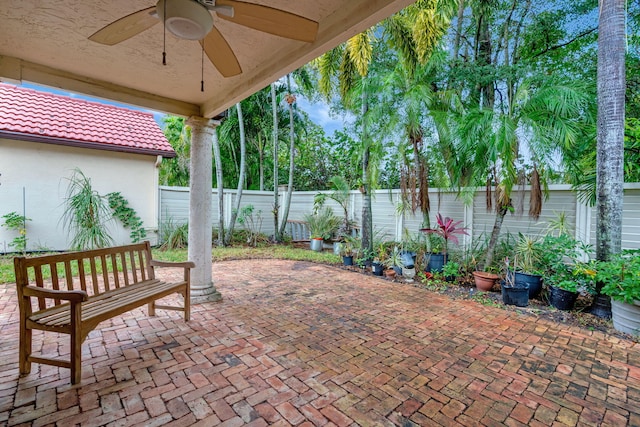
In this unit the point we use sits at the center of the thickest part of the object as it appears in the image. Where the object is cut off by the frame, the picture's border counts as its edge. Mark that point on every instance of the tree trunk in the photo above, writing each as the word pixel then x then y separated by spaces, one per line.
pixel 367 223
pixel 241 177
pixel 261 160
pixel 487 91
pixel 456 40
pixel 276 196
pixel 495 233
pixel 292 153
pixel 610 137
pixel 220 185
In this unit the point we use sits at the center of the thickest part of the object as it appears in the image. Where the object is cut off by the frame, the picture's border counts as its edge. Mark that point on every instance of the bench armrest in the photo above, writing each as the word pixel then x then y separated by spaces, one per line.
pixel 72 296
pixel 185 264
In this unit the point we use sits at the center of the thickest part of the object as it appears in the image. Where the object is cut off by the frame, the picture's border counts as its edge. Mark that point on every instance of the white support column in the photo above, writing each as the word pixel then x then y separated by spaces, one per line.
pixel 200 197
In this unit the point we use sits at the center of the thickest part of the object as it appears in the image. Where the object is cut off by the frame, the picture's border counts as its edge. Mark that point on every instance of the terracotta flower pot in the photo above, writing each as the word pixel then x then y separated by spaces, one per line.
pixel 390 273
pixel 484 281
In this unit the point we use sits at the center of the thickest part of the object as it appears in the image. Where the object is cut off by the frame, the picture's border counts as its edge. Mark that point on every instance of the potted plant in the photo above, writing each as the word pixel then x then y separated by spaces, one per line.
pixel 348 249
pixel 378 261
pixel 451 271
pixel 512 293
pixel 322 226
pixel 485 280
pixel 563 290
pixel 340 194
pixel 448 230
pixel 395 260
pixel 620 278
pixel 527 261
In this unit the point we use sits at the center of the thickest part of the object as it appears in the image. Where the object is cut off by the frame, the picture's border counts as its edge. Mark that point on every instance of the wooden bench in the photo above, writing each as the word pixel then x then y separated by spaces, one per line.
pixel 84 289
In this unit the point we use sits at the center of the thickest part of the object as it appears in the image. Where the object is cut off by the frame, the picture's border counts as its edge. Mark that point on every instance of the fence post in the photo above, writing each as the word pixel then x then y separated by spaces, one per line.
pixel 583 221
pixel 468 222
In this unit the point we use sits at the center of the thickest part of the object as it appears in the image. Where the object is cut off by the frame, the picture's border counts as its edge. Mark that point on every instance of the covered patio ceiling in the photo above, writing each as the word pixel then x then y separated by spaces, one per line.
pixel 46 42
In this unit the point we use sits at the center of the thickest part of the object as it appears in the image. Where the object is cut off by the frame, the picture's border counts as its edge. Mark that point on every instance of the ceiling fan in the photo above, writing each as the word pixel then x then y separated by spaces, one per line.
pixel 192 20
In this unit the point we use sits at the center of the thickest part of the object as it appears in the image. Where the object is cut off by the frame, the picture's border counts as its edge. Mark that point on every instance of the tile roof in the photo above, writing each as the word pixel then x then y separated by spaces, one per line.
pixel 27 114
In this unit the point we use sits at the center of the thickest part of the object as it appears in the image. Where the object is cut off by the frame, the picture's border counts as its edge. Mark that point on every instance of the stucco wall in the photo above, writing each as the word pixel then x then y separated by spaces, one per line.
pixel 43 171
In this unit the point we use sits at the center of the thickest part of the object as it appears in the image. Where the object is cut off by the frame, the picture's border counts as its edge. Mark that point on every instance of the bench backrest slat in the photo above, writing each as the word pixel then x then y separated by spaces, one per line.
pixel 55 281
pixel 141 263
pixel 42 304
pixel 94 275
pixel 105 272
pixel 68 275
pixel 134 271
pixel 81 275
pixel 114 266
pixel 125 268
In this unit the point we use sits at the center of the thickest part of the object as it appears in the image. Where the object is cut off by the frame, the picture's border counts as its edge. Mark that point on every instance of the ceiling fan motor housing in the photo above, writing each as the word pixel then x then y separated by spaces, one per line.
pixel 186 19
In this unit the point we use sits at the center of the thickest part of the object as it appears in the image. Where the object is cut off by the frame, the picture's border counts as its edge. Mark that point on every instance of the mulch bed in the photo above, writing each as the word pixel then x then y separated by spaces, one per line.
pixel 539 307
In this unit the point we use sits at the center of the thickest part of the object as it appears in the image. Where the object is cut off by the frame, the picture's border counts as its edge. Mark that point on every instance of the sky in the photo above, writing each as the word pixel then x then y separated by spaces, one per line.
pixel 320 113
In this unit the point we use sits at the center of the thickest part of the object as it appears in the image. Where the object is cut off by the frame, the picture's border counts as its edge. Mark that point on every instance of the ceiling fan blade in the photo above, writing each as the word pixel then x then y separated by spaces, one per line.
pixel 126 27
pixel 270 20
pixel 220 54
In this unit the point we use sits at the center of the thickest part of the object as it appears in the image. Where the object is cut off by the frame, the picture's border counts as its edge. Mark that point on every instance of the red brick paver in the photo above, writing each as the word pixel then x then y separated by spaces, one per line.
pixel 294 343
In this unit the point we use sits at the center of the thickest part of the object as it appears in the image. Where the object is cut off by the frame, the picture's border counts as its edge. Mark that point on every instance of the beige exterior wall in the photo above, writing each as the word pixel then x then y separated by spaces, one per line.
pixel 42 170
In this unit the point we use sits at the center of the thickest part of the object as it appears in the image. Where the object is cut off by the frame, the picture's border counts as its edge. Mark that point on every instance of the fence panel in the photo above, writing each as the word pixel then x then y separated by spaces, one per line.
pixel 174 204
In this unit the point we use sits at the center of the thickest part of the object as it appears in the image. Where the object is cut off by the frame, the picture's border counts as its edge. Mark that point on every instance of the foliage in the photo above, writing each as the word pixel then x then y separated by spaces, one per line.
pixel 340 194
pixel 394 258
pixel 173 235
pixel 175 171
pixel 448 229
pixel 127 216
pixel 86 214
pixel 17 222
pixel 621 276
pixel 527 254
pixel 451 269
pixel 349 246
pixel 251 220
pixel 323 224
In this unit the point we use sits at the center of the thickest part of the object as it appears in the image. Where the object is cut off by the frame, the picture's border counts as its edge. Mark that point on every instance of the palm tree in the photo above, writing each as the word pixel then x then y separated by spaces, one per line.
pixel 275 138
pixel 610 139
pixel 220 184
pixel 349 62
pixel 303 81
pixel 241 177
pixel 542 119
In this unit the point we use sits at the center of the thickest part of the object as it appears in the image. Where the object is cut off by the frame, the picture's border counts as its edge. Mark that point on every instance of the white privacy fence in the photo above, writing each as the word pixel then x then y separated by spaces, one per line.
pixel 392 223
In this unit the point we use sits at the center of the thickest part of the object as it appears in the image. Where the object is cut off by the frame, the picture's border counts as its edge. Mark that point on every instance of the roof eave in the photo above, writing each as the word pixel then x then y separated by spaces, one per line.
pixel 83 144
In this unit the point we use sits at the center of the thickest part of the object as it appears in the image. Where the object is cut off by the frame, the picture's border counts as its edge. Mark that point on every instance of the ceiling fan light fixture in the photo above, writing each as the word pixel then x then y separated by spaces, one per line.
pixel 186 19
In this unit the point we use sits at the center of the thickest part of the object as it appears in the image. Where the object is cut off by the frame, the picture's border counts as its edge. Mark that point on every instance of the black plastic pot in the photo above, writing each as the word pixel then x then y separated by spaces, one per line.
pixel 533 281
pixel 347 259
pixel 378 268
pixel 436 262
pixel 515 295
pixel 561 298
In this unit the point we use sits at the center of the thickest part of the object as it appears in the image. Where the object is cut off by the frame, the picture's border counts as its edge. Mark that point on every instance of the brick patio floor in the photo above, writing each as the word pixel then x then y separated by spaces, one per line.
pixel 295 343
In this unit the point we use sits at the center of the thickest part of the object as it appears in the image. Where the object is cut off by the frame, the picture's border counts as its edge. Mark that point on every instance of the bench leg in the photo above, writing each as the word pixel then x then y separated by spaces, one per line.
pixel 152 308
pixel 187 305
pixel 76 345
pixel 25 347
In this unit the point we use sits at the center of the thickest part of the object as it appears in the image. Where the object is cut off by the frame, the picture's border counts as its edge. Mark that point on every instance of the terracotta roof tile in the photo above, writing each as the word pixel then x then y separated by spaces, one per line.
pixel 40 116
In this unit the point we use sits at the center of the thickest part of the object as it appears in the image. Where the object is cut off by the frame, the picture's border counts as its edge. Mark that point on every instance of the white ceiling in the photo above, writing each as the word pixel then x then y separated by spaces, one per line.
pixel 45 42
